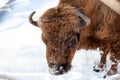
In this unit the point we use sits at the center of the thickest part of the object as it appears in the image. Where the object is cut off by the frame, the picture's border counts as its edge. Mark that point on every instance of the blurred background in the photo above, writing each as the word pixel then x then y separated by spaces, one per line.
pixel 22 52
pixel 15 30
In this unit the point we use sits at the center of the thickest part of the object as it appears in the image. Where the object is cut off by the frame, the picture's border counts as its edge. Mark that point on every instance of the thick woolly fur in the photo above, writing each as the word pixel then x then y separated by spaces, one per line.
pixel 103 32
pixel 63 35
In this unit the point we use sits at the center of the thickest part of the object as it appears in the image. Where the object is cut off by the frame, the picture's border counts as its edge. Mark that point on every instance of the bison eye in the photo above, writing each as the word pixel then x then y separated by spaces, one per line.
pixel 71 43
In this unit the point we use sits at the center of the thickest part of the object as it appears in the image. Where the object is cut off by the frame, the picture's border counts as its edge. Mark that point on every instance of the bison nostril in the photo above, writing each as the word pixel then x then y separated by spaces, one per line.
pixel 60 69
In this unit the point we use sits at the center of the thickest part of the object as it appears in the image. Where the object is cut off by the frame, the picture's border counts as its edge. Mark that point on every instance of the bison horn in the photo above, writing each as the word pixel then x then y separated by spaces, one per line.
pixel 86 19
pixel 31 20
pixel 35 22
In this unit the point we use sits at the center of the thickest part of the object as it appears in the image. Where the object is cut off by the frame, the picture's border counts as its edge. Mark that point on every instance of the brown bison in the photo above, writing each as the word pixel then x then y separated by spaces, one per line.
pixel 61 27
pixel 63 34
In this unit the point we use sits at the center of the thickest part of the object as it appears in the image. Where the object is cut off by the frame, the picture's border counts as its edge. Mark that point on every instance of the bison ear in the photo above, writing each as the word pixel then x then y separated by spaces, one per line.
pixel 85 21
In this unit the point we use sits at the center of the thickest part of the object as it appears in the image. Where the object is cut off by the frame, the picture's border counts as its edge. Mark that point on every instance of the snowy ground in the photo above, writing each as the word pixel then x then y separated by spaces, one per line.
pixel 22 52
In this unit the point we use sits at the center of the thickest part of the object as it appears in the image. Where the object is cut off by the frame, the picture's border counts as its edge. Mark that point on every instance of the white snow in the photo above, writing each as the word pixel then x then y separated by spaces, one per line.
pixel 3 3
pixel 23 54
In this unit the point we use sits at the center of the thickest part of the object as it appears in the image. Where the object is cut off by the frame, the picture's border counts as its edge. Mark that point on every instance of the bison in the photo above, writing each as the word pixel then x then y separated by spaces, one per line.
pixel 67 28
pixel 61 27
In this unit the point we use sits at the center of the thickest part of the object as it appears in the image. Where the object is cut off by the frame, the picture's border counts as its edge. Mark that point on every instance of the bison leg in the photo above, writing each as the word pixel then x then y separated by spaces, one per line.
pixel 101 66
pixel 114 67
pixel 112 70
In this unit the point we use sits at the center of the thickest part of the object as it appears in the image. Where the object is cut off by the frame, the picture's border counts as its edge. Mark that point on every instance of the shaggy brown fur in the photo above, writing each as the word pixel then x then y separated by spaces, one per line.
pixel 103 32
pixel 62 33
pixel 61 28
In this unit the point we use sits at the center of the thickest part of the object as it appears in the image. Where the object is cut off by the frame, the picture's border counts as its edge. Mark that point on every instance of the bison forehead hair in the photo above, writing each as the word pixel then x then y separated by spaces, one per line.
pixel 60 23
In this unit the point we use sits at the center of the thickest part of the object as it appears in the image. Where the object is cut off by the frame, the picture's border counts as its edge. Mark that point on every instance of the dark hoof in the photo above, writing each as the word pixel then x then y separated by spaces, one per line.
pixel 96 70
pixel 105 76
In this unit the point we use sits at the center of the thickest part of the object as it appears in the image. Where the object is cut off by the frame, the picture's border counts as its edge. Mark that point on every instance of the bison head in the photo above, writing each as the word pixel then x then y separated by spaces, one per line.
pixel 61 27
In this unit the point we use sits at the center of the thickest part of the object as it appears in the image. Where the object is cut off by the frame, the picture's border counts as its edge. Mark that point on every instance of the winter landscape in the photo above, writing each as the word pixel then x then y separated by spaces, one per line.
pixel 22 52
